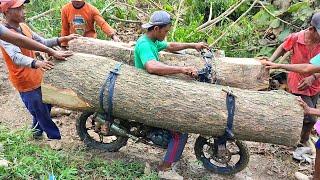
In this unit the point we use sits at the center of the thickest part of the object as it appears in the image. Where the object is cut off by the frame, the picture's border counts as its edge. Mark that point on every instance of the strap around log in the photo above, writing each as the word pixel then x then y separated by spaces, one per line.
pixel 228 134
pixel 109 83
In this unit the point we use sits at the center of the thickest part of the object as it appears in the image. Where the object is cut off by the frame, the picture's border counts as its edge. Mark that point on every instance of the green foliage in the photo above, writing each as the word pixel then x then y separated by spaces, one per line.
pixel 50 26
pixel 242 40
pixel 31 161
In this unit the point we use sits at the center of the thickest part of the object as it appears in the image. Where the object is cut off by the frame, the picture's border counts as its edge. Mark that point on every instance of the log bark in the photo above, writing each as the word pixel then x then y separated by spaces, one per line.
pixel 245 73
pixel 194 107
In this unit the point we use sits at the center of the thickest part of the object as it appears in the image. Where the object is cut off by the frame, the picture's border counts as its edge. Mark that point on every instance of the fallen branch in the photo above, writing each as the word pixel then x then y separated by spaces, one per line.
pixel 177 19
pixel 161 8
pixel 124 20
pixel 265 8
pixel 125 4
pixel 235 22
pixel 107 6
pixel 210 23
pixel 210 14
pixel 40 15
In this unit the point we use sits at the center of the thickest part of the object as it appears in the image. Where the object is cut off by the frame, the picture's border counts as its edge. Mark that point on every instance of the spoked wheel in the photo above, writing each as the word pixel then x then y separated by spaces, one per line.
pixel 226 160
pixel 88 128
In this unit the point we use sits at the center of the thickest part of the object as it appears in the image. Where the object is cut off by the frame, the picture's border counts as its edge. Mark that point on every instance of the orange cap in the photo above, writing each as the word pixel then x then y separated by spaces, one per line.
pixel 10 4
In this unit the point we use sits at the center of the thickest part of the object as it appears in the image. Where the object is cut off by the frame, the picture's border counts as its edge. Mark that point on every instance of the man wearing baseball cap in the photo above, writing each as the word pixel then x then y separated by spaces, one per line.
pixel 304 45
pixel 26 73
pixel 313 67
pixel 24 42
pixel 79 17
pixel 146 57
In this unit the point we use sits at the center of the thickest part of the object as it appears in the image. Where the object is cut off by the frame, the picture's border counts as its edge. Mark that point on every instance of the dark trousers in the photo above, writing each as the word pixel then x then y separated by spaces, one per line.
pixel 40 112
pixel 309 120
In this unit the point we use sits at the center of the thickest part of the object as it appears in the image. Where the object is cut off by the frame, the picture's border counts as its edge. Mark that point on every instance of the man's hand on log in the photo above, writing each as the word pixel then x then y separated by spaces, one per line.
pixel 306 82
pixel 44 65
pixel 263 58
pixel 270 65
pixel 308 110
pixel 190 71
pixel 304 105
pixel 61 55
pixel 200 46
pixel 116 38
pixel 69 37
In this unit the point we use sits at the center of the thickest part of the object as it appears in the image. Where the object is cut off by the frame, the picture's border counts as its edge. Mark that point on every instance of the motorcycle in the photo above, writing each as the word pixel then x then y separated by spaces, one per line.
pixel 220 155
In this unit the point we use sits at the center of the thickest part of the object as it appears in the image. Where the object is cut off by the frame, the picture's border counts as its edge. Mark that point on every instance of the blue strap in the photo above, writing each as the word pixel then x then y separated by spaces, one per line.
pixel 109 83
pixel 228 134
pixel 231 105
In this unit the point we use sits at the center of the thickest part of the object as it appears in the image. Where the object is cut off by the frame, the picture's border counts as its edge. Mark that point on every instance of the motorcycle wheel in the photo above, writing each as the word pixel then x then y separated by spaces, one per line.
pixel 86 131
pixel 235 159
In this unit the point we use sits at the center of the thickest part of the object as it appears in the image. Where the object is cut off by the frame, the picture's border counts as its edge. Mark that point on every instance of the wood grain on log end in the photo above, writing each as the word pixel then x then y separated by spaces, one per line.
pixel 63 98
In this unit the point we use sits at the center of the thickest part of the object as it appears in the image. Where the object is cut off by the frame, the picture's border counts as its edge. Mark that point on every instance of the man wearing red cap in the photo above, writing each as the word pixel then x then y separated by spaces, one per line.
pixel 23 41
pixel 79 17
pixel 25 73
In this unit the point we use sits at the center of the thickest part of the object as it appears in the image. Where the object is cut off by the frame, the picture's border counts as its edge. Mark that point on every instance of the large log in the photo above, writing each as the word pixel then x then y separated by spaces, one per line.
pixel 271 117
pixel 245 73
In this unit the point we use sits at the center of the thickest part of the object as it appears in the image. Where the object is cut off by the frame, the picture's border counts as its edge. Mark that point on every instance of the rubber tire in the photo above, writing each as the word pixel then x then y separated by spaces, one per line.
pixel 240 165
pixel 90 142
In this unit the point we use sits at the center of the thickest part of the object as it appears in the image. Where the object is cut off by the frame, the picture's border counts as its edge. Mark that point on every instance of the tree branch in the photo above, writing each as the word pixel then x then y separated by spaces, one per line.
pixel 177 19
pixel 209 23
pixel 123 20
pixel 235 22
pixel 265 8
pixel 40 15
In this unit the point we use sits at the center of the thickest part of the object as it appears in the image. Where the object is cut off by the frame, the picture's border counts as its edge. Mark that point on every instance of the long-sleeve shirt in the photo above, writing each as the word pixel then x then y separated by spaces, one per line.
pixel 18 61
pixel 15 52
pixel 81 21
pixel 2 29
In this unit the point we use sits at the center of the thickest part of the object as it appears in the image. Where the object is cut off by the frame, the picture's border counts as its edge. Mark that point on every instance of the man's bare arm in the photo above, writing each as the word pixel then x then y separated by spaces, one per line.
pixel 175 46
pixel 280 51
pixel 158 68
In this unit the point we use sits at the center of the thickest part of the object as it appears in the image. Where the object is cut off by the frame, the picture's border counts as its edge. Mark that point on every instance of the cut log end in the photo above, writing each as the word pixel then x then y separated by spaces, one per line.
pixel 63 98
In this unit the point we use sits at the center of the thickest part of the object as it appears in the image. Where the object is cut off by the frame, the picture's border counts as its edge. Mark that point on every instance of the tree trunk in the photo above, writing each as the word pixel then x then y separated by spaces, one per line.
pixel 243 73
pixel 271 117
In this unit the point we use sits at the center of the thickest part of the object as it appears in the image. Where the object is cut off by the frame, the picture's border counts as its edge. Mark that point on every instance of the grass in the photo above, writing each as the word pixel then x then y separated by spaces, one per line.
pixel 28 160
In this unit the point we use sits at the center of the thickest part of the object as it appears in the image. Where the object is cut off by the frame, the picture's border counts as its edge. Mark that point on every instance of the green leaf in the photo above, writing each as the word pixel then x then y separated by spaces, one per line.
pixel 295 7
pixel 167 7
pixel 210 40
pixel 265 51
pixel 261 17
pixel 275 23
pixel 282 36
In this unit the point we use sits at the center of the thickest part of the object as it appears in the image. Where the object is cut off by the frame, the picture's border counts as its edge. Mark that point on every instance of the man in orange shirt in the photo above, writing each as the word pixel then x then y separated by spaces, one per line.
pixel 78 17
pixel 25 73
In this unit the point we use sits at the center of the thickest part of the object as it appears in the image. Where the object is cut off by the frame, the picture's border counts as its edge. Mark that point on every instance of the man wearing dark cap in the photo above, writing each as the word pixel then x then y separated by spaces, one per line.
pixel 304 46
pixel 146 56
pixel 313 67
